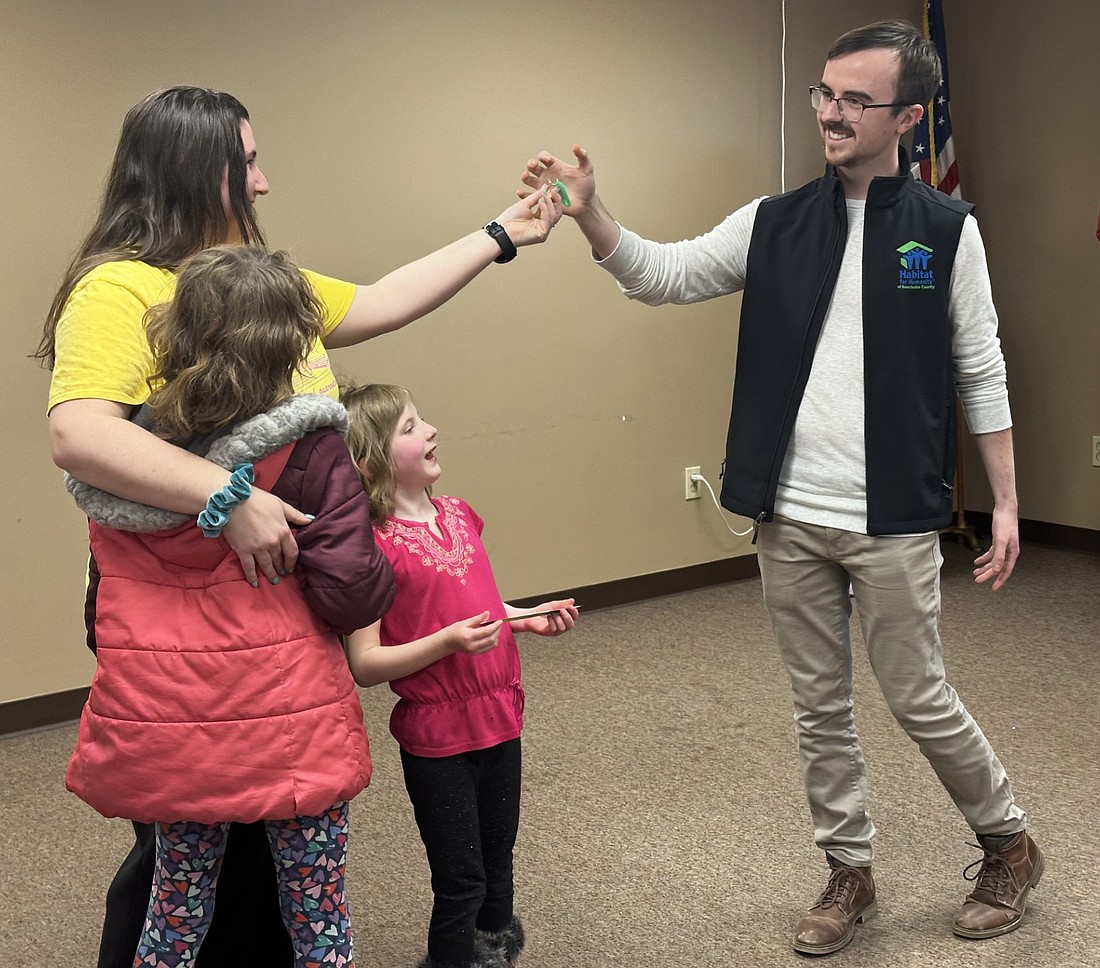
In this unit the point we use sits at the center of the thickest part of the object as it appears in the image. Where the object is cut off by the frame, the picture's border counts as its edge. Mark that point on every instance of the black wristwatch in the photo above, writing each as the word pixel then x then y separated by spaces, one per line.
pixel 507 246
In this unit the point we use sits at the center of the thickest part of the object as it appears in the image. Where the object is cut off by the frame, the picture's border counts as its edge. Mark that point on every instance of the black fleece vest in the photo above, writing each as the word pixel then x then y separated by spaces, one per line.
pixel 911 234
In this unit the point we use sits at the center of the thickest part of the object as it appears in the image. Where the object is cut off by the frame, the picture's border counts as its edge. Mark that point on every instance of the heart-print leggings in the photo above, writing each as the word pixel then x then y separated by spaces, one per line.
pixel 310 855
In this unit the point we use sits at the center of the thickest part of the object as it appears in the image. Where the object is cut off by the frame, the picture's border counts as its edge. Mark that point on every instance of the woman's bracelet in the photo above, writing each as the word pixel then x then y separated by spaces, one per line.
pixel 215 515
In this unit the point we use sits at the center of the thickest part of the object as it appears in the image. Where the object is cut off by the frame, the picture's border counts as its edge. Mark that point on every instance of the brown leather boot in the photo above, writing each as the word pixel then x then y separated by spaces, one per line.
pixel 1007 872
pixel 848 899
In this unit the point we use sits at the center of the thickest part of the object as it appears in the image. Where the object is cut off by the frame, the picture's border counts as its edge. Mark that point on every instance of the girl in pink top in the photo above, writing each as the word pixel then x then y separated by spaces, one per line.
pixel 450 655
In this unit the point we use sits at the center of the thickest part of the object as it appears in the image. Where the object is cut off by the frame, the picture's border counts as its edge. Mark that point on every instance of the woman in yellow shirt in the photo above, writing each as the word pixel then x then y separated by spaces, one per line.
pixel 185 176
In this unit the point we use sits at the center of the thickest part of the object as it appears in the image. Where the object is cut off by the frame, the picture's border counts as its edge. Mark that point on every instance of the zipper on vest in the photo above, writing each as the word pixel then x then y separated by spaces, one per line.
pixel 773 470
pixel 757 521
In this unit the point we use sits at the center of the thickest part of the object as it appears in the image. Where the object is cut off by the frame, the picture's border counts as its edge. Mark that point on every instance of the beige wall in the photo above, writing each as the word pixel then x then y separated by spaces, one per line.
pixel 567 414
pixel 1030 147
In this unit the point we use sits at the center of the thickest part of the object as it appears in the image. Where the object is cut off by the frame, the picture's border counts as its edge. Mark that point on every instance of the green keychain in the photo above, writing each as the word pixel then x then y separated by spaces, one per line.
pixel 561 191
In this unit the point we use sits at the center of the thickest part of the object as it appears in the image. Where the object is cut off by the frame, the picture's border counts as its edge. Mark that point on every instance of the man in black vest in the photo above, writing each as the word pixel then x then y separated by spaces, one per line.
pixel 866 310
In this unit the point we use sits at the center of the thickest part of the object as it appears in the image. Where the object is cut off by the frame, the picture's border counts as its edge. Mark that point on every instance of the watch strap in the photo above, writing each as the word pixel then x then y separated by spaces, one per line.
pixel 507 246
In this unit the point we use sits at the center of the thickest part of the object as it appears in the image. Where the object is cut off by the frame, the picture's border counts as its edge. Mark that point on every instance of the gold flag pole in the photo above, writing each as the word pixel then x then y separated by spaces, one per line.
pixel 960 528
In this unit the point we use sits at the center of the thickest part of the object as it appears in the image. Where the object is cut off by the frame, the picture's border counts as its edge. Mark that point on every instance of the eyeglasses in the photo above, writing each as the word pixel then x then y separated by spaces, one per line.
pixel 849 108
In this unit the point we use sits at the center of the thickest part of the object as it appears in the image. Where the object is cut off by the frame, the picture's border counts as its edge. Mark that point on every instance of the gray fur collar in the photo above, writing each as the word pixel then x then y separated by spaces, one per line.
pixel 247 442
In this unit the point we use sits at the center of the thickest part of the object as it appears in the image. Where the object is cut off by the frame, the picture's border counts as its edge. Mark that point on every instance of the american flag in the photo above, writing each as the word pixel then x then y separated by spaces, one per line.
pixel 933 147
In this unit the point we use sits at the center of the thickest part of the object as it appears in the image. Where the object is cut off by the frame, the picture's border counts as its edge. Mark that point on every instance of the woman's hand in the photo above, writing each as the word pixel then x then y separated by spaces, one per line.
pixel 258 530
pixel 530 220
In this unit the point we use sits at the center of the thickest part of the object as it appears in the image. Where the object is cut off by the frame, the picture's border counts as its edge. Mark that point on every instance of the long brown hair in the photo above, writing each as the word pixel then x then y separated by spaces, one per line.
pixel 227 346
pixel 163 200
pixel 373 413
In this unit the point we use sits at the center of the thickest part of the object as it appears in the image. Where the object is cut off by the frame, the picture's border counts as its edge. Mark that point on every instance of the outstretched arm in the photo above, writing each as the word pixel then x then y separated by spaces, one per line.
pixel 601 230
pixel 1000 560
pixel 416 289
pixel 371 663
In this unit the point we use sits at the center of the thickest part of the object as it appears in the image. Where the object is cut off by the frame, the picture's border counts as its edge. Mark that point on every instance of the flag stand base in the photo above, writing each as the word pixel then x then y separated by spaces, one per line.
pixel 960 529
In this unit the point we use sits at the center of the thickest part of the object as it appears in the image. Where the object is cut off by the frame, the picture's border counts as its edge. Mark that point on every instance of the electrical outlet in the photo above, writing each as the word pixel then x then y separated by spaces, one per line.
pixel 1096 451
pixel 692 489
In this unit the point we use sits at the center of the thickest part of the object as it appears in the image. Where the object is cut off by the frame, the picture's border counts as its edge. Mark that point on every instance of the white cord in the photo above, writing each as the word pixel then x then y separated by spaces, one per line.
pixel 782 188
pixel 783 104
pixel 713 497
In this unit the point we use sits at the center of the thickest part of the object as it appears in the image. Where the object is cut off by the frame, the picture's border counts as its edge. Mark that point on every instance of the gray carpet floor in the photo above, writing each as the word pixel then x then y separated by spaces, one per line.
pixel 663 817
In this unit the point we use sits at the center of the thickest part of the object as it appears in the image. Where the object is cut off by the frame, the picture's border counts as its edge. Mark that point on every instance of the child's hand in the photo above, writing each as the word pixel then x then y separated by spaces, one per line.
pixel 472 637
pixel 558 622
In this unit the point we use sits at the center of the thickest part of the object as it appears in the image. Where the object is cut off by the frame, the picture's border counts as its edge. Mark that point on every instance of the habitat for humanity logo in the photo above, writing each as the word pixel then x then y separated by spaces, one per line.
pixel 916 271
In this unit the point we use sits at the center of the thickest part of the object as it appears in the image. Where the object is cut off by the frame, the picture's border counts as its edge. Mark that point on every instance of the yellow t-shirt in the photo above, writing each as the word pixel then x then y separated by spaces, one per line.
pixel 101 349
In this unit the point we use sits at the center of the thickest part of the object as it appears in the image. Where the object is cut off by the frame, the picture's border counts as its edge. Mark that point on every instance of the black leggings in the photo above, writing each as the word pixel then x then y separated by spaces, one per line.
pixel 467 809
pixel 247 926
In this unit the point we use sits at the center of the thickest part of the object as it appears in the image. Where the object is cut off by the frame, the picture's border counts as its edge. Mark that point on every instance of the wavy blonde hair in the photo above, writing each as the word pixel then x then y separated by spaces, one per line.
pixel 228 345
pixel 373 413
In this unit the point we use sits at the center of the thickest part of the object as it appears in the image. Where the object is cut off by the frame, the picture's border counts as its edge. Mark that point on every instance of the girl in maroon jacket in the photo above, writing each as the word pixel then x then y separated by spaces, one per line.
pixel 217 700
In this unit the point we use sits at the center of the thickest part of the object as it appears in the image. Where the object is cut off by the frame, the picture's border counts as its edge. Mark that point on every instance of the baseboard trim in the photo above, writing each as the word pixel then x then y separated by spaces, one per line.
pixel 53 709
pixel 38 712
pixel 1063 536
pixel 626 591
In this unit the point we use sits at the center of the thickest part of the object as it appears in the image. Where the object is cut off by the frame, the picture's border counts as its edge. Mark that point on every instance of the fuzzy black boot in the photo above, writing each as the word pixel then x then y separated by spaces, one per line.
pixel 508 941
pixel 484 957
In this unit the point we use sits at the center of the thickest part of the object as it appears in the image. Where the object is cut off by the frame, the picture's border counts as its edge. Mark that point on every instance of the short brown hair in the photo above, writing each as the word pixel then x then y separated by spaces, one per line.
pixel 919 70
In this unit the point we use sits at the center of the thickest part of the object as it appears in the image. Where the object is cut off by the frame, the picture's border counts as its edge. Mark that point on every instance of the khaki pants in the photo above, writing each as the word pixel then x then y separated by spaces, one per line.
pixel 806 570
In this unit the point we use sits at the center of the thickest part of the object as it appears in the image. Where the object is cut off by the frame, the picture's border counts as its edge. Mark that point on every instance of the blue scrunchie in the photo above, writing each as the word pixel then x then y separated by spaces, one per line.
pixel 216 513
